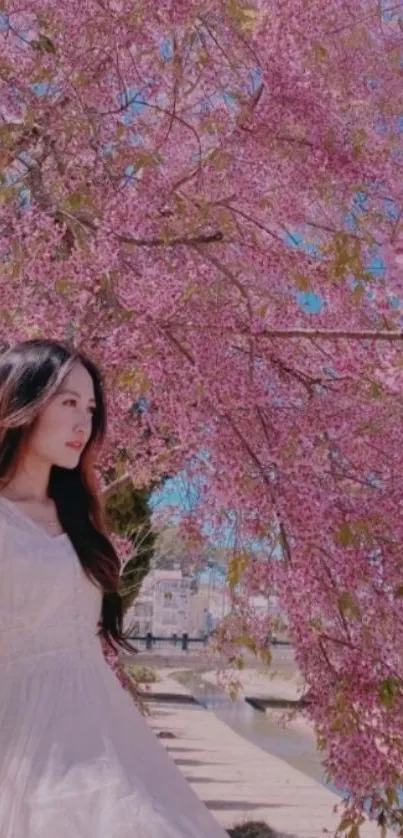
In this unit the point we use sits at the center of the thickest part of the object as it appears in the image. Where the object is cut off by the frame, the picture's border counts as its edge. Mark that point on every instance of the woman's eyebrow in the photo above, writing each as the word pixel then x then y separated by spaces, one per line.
pixel 74 393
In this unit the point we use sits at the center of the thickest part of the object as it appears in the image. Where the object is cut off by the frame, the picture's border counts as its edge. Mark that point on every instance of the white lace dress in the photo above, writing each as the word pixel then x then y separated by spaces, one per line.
pixel 77 760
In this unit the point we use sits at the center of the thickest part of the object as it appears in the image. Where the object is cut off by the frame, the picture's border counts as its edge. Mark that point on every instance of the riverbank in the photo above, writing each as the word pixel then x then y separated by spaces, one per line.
pixel 294 743
pixel 270 689
pixel 236 779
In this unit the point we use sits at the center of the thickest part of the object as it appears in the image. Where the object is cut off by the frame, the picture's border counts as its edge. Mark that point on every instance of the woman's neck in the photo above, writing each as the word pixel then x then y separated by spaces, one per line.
pixel 30 481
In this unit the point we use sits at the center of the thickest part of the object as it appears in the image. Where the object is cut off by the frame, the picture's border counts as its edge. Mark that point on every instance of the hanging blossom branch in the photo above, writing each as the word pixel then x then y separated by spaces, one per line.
pixel 117 230
pixel 331 334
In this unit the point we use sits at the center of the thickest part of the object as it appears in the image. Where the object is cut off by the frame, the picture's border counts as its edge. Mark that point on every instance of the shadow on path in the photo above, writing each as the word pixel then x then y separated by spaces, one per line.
pixel 255 829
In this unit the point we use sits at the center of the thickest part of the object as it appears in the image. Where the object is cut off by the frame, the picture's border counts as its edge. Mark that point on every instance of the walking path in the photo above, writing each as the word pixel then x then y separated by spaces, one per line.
pixel 237 780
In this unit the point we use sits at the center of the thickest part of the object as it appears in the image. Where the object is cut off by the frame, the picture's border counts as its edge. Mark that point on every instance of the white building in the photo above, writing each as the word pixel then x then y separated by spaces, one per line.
pixel 167 606
pixel 162 607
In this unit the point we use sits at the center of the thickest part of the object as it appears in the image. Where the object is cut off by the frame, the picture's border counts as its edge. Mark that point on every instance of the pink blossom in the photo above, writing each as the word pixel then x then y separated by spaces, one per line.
pixel 154 192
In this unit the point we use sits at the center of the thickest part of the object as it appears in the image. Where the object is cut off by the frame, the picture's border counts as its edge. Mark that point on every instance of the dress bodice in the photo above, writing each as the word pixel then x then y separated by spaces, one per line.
pixel 48 606
pixel 76 757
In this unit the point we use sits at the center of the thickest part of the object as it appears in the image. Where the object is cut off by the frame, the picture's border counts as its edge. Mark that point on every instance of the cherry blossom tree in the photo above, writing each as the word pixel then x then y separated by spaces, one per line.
pixel 181 185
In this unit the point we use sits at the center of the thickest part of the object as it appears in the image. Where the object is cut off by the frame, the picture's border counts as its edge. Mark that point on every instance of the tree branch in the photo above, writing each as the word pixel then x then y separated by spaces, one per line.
pixel 113 487
pixel 191 241
pixel 331 334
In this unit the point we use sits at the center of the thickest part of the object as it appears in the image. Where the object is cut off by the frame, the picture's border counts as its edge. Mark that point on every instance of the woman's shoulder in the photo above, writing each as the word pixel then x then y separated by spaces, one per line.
pixel 4 508
pixel 5 523
pixel 8 515
pixel 11 519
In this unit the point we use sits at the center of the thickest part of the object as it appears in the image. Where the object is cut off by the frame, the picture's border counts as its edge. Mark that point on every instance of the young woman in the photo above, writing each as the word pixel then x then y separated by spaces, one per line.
pixel 76 758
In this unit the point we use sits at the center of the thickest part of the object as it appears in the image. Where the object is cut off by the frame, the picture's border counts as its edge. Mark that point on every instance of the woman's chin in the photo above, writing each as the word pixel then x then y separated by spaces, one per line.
pixel 70 461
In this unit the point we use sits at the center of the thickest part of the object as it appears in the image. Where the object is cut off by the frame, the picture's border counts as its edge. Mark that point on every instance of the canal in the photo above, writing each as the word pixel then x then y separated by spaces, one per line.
pixel 294 743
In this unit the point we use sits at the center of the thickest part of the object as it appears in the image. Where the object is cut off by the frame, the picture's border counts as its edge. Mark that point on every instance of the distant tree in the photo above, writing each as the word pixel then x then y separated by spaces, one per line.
pixel 129 516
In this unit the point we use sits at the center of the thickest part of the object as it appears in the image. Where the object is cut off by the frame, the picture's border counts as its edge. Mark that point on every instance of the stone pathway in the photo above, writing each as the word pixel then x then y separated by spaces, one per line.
pixel 236 779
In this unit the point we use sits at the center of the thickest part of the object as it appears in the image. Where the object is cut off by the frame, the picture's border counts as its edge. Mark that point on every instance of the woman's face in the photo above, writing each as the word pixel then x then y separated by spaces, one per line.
pixel 64 426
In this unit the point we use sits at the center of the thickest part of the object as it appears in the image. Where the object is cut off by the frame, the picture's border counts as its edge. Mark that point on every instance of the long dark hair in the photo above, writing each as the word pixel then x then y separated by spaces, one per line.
pixel 30 374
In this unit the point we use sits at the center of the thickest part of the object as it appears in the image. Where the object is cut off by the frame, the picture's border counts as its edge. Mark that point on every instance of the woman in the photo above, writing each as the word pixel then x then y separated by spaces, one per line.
pixel 76 758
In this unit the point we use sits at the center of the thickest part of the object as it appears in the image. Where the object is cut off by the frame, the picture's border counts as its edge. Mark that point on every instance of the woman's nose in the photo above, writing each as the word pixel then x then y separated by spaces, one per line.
pixel 83 422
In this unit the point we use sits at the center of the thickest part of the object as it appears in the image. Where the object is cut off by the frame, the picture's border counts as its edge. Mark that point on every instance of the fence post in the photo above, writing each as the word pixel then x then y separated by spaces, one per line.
pixel 185 639
pixel 149 640
pixel 175 639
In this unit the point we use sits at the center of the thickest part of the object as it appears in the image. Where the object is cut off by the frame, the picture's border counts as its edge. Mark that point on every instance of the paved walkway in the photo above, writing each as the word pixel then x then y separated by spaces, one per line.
pixel 237 780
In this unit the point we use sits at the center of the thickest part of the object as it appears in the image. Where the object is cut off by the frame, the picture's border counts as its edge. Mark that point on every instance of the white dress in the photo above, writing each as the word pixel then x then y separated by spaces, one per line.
pixel 77 760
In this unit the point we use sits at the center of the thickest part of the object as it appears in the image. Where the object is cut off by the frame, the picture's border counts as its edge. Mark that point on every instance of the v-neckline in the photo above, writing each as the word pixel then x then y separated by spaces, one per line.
pixel 13 506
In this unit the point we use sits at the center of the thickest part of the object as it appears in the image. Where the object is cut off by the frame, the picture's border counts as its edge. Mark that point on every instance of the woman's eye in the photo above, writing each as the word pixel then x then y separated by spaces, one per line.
pixel 73 403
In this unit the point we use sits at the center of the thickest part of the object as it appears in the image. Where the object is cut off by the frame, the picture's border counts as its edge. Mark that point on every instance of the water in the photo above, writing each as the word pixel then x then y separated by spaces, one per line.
pixel 296 747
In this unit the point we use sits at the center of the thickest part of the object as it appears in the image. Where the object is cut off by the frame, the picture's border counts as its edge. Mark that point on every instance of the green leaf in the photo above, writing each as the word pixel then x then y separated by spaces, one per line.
pixel 135 380
pixel 348 605
pixel 147 160
pixel 347 256
pixel 345 824
pixel 389 691
pixel 302 282
pixel 375 390
pixel 6 68
pixel 74 201
pixel 265 656
pixel 44 44
pixel 359 139
pixel 358 293
pixel 62 286
pixel 188 292
pixel 345 536
pixel 236 568
pixel 6 316
pixel 204 57
pixel 244 16
pixel 392 797
pixel 221 160
pixel 320 52
pixel 137 16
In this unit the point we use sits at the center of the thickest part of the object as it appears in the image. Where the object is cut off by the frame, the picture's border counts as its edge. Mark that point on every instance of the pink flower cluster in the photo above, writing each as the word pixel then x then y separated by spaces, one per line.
pixel 181 185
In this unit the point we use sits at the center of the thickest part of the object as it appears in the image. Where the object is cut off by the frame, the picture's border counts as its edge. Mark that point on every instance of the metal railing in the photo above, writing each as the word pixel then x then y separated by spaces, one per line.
pixel 183 641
